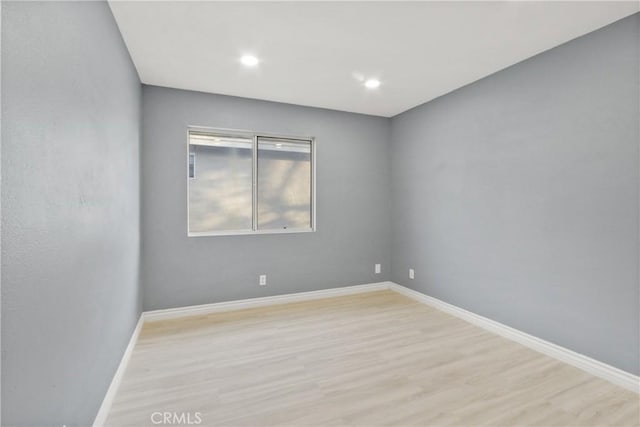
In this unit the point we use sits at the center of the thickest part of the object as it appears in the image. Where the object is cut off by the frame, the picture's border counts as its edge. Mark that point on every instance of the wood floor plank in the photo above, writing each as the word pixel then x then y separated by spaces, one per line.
pixel 362 360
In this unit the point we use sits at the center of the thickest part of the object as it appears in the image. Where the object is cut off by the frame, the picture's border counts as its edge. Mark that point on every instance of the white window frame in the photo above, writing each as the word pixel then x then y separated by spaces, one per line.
pixel 254 188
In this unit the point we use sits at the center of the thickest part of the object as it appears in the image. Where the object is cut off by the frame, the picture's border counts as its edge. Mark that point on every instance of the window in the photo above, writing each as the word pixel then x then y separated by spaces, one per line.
pixel 249 183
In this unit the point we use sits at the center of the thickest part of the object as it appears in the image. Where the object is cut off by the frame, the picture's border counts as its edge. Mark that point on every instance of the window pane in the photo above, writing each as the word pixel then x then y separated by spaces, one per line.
pixel 284 184
pixel 220 184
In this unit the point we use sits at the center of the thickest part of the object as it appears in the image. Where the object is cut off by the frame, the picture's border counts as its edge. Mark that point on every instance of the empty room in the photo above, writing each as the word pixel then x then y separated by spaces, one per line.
pixel 320 213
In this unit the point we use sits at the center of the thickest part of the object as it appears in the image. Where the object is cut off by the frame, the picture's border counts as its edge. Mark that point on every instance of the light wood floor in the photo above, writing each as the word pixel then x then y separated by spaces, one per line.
pixel 370 359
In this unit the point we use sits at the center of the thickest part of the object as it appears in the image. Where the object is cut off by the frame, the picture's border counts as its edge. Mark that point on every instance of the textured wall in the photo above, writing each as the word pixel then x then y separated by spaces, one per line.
pixel 352 201
pixel 516 197
pixel 70 209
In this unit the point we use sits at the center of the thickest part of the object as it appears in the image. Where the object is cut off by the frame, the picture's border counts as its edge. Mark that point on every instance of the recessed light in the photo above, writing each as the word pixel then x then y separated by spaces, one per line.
pixel 249 60
pixel 372 83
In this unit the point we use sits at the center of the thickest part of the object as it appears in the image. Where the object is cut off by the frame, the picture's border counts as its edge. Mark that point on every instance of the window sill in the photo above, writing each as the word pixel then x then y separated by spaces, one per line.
pixel 248 232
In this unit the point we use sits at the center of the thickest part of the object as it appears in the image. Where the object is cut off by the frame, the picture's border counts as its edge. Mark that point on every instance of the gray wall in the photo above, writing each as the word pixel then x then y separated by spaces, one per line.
pixel 352 201
pixel 70 209
pixel 516 197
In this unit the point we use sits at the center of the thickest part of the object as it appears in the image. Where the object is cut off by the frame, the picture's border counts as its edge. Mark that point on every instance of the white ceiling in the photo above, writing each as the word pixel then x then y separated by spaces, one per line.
pixel 316 53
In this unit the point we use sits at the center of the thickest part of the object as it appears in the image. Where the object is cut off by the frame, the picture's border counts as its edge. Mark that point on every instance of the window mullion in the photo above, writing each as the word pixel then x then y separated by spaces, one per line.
pixel 255 183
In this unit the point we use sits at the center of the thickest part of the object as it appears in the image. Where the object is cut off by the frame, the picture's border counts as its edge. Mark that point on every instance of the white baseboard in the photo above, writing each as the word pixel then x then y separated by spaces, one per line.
pixel 171 313
pixel 101 417
pixel 587 364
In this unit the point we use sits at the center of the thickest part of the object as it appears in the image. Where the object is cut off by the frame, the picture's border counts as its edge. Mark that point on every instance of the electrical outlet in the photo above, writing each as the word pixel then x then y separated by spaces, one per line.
pixel 412 274
pixel 263 280
pixel 377 269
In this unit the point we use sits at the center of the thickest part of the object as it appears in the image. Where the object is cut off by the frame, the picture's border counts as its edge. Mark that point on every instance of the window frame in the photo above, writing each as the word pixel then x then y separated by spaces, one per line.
pixel 254 186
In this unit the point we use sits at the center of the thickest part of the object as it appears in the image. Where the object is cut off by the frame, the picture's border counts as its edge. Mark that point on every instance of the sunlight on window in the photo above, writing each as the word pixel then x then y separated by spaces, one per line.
pixel 284 184
pixel 220 193
pixel 222 189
